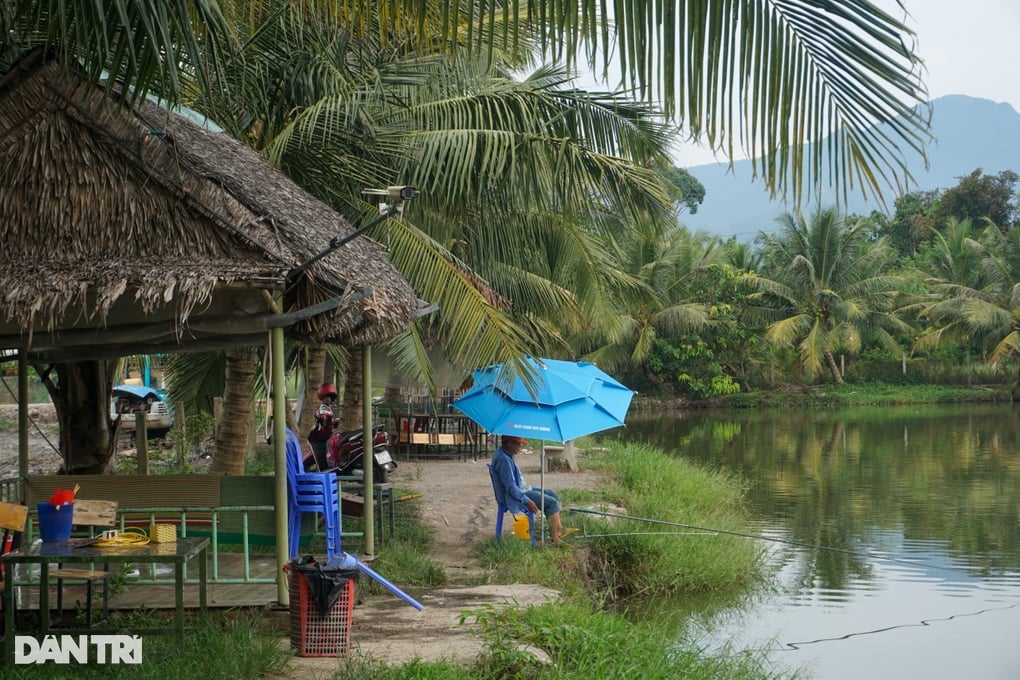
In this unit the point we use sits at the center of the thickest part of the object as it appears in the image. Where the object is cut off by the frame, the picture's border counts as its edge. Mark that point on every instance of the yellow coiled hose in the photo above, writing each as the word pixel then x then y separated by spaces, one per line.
pixel 130 536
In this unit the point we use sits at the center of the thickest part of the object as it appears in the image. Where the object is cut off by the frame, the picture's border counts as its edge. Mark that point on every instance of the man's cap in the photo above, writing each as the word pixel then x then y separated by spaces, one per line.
pixel 514 438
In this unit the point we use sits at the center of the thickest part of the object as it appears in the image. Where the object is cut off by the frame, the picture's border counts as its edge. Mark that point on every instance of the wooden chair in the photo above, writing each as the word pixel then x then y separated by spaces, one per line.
pixel 93 514
pixel 13 518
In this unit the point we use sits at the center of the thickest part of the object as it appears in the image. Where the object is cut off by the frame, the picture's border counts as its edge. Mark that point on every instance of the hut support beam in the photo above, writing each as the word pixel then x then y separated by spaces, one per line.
pixel 368 455
pixel 279 396
pixel 22 413
pixel 170 332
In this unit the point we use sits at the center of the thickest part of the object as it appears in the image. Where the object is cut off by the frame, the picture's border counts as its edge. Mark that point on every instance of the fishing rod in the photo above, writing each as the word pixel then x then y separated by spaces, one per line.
pixel 704 531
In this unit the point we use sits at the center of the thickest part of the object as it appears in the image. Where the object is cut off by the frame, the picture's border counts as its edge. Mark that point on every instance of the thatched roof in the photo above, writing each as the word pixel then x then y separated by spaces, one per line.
pixel 138 231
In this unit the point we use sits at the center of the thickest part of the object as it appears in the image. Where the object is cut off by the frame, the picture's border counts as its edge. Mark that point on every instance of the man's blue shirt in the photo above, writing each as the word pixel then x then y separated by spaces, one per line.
pixel 508 481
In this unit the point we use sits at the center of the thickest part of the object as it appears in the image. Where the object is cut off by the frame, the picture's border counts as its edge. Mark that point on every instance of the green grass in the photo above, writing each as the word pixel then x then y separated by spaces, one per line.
pixel 624 557
pixel 233 645
pixel 587 643
pixel 581 643
pixel 513 560
pixel 865 394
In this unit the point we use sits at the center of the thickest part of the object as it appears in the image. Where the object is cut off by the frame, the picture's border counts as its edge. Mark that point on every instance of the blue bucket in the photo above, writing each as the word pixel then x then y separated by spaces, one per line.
pixel 55 522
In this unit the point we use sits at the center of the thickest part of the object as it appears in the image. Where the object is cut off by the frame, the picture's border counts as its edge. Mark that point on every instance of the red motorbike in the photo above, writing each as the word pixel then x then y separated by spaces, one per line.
pixel 345 452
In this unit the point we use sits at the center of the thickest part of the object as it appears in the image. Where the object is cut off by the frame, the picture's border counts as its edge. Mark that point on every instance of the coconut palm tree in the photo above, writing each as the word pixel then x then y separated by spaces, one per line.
pixel 825 287
pixel 957 254
pixel 662 261
pixel 974 303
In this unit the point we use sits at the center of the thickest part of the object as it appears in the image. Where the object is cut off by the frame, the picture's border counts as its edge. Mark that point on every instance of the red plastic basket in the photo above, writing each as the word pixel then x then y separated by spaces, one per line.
pixel 313 633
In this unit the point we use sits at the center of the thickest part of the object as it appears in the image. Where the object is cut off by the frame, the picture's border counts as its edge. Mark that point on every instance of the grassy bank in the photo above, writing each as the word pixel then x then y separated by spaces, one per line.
pixel 231 645
pixel 860 394
pixel 664 560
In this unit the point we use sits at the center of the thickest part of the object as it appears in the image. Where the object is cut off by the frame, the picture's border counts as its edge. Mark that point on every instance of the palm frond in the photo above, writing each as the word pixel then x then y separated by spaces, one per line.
pixel 147 46
pixel 475 332
pixel 409 353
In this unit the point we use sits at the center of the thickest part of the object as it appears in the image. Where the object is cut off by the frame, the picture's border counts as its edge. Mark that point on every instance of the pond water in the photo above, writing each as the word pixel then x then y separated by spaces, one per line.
pixel 894 530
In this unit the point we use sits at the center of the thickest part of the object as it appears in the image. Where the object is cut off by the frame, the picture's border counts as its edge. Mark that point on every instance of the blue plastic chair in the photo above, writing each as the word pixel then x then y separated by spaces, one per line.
pixel 310 492
pixel 502 509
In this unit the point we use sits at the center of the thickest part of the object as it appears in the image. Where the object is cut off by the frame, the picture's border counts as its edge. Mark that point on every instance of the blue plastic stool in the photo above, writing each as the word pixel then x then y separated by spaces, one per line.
pixel 310 492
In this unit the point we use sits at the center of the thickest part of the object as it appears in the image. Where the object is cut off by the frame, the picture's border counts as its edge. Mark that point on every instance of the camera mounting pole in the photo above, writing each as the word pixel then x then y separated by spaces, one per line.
pixel 397 196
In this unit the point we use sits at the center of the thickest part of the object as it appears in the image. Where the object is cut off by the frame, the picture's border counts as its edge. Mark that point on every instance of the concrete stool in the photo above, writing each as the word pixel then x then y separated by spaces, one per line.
pixel 566 452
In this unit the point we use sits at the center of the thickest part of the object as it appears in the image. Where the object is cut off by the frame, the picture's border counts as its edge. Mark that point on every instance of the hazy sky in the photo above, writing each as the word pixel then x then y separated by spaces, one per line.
pixel 969 47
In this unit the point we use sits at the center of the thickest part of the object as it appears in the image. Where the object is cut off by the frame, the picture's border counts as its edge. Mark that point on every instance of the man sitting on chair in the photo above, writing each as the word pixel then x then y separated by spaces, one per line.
pixel 508 476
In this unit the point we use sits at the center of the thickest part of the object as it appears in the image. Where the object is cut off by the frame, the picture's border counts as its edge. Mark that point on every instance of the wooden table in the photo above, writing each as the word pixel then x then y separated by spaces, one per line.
pixel 176 553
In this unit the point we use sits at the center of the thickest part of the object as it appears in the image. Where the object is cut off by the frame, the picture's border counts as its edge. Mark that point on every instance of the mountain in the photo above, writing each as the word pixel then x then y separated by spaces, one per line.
pixel 971 133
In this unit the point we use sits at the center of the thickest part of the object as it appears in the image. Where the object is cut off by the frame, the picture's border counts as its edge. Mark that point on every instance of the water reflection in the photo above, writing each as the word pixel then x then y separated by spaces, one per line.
pixel 918 507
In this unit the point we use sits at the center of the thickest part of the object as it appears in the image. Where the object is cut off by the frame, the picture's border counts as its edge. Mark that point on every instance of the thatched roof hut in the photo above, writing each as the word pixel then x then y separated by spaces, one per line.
pixel 137 231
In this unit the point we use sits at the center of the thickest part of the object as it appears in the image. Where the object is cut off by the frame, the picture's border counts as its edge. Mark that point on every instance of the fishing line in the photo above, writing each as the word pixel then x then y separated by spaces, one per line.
pixel 799 544
pixel 797 646
pixel 652 533
pixel 921 623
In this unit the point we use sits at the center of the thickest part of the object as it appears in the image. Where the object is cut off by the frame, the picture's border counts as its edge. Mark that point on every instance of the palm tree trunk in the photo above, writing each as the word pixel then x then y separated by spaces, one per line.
pixel 82 396
pixel 651 377
pixel 833 368
pixel 350 413
pixel 232 434
pixel 315 362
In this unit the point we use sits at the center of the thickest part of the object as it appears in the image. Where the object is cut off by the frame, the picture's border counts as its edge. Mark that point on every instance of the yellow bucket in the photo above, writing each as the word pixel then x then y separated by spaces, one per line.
pixel 521 527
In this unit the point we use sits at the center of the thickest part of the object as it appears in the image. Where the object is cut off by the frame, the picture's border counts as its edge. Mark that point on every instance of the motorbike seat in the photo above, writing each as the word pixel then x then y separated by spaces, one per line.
pixel 348 436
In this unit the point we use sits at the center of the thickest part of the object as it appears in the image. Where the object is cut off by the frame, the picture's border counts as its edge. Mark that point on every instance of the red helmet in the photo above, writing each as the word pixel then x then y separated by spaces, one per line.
pixel 326 390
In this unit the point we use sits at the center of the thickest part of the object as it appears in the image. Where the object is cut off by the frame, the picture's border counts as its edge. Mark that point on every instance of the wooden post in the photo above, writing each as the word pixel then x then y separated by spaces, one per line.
pixel 22 413
pixel 279 397
pixel 367 457
pixel 142 442
pixel 180 442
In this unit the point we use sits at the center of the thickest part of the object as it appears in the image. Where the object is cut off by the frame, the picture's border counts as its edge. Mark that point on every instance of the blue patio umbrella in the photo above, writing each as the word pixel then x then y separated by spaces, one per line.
pixel 565 400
